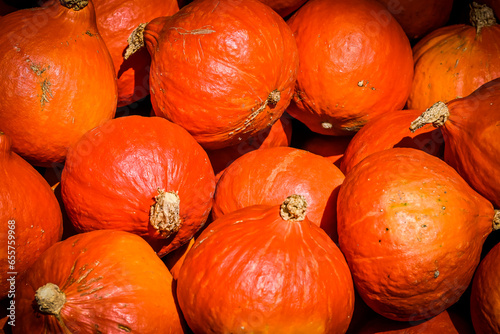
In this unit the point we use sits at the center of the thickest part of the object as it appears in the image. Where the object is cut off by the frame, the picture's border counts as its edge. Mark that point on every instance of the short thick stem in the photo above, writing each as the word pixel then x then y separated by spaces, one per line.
pixel 481 16
pixel 437 115
pixel 135 40
pixel 50 299
pixel 496 220
pixel 76 5
pixel 164 214
pixel 294 208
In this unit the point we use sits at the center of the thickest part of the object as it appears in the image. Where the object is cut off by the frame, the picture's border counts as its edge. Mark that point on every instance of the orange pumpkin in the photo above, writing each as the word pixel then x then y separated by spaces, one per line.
pixel 144 175
pixel 97 282
pixel 453 61
pixel 30 216
pixel 56 76
pixel 330 147
pixel 266 269
pixel 470 130
pixel 355 63
pixel 412 232
pixel 221 69
pixel 116 19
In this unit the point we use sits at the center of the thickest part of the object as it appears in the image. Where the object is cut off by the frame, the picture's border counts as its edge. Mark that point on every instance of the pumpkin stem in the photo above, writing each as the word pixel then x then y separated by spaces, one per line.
pixel 496 220
pixel 76 5
pixel 294 208
pixel 50 299
pixel 481 16
pixel 164 214
pixel 135 40
pixel 437 114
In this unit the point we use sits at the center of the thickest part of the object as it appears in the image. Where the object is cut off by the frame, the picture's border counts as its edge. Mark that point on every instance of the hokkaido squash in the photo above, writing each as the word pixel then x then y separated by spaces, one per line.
pixel 470 130
pixel 221 69
pixel 485 294
pixel 414 239
pixel 116 19
pixel 355 63
pixel 144 175
pixel 266 269
pixel 56 76
pixel 97 282
pixel 266 176
pixel 30 215
pixel 388 131
pixel 453 61
pixel 330 147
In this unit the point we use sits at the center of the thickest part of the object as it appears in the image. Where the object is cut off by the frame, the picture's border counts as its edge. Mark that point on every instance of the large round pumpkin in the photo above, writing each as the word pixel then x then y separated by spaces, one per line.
pixel 266 176
pixel 266 269
pixel 97 282
pixel 31 220
pixel 56 76
pixel 116 19
pixel 470 131
pixel 144 175
pixel 355 63
pixel 412 231
pixel 453 61
pixel 223 70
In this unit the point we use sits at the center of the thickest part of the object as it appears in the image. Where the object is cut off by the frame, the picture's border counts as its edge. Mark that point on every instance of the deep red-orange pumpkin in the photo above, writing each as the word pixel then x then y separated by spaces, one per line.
pixel 268 175
pixel 56 76
pixel 412 232
pixel 116 20
pixel 223 70
pixel 355 63
pixel 30 217
pixel 330 147
pixel 453 61
pixel 418 18
pixel 144 175
pixel 97 282
pixel 388 131
pixel 265 270
pixel 485 294
pixel 470 130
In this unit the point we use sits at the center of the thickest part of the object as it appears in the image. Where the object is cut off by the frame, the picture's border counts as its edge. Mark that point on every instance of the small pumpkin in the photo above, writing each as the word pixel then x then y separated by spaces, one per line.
pixel 470 131
pixel 101 281
pixel 266 176
pixel 56 76
pixel 355 63
pixel 222 70
pixel 144 175
pixel 30 215
pixel 266 268
pixel 414 240
pixel 453 61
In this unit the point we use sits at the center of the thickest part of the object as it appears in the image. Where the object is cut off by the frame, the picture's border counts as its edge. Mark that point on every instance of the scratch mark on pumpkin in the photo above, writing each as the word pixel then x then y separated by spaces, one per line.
pixel 46 92
pixel 205 30
pixel 124 328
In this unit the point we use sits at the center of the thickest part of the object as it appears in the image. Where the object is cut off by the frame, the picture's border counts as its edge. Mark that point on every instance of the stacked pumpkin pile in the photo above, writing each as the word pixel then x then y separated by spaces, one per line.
pixel 222 166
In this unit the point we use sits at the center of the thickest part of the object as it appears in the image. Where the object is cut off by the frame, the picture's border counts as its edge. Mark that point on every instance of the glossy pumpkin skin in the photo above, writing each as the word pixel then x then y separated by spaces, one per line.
pixel 56 90
pixel 116 19
pixel 418 18
pixel 388 131
pixel 253 271
pixel 452 62
pixel 113 282
pixel 413 242
pixel 29 212
pixel 355 63
pixel 485 294
pixel 112 176
pixel 214 70
pixel 269 175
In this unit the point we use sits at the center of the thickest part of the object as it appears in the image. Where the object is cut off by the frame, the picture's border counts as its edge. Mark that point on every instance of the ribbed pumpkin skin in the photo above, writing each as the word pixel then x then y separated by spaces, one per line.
pixel 388 131
pixel 57 80
pixel 452 62
pixel 417 18
pixel 414 240
pixel 29 212
pixel 355 62
pixel 113 174
pixel 485 294
pixel 116 19
pixel 251 271
pixel 213 69
pixel 113 282
pixel 269 175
